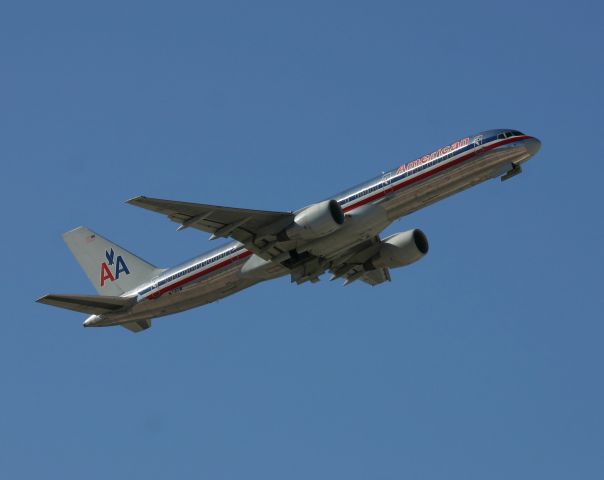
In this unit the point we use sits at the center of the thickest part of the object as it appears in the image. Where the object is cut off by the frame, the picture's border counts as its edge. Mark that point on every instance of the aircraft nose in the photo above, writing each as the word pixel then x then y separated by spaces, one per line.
pixel 533 145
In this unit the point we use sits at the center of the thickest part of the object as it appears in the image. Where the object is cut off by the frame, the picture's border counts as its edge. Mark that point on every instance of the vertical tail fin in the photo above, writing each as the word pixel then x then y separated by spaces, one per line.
pixel 111 269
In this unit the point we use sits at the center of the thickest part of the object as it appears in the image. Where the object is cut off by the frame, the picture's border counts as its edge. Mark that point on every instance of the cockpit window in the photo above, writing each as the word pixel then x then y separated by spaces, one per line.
pixel 508 134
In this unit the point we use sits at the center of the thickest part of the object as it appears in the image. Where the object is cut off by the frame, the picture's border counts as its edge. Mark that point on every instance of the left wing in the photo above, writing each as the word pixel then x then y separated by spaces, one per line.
pixel 256 229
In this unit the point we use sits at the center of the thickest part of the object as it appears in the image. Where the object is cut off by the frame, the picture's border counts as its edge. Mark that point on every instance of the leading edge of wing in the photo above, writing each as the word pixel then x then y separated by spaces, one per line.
pixel 168 206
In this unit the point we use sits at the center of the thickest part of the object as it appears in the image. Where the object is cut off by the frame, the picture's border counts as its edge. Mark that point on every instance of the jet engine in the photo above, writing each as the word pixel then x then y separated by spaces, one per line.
pixel 315 221
pixel 399 250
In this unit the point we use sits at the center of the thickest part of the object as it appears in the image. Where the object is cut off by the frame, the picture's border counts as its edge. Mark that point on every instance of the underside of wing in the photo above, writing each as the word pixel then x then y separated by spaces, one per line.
pixel 259 231
pixel 256 229
pixel 354 265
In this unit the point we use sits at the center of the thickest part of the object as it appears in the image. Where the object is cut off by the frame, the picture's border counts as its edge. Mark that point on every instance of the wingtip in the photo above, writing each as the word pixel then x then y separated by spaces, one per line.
pixel 39 300
pixel 44 298
pixel 134 200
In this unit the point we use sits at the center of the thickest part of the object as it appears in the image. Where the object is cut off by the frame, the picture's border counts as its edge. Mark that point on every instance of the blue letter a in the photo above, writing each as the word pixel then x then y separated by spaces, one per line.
pixel 120 266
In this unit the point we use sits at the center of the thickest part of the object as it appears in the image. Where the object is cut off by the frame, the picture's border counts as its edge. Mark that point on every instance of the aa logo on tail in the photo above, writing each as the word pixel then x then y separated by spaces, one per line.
pixel 120 267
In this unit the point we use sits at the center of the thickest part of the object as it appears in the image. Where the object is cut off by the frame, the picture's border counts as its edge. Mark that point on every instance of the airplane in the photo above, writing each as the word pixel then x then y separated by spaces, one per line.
pixel 340 234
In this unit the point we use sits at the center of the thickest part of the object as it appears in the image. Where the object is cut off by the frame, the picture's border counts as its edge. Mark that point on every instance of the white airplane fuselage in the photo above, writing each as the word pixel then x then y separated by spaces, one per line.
pixel 369 208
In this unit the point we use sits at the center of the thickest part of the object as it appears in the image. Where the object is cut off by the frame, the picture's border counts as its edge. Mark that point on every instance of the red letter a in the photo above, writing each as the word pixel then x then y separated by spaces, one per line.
pixel 105 274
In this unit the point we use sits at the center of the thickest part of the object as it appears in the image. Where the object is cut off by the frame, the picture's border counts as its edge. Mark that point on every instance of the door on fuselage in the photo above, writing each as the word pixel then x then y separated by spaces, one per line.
pixel 388 188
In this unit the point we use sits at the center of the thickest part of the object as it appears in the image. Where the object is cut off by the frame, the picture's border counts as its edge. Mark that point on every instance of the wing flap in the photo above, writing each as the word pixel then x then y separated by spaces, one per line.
pixel 91 304
pixel 137 326
pixel 352 265
pixel 375 277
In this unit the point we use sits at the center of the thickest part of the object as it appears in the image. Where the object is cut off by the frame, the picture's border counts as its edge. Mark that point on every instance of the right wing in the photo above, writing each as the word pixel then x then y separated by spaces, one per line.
pixel 256 229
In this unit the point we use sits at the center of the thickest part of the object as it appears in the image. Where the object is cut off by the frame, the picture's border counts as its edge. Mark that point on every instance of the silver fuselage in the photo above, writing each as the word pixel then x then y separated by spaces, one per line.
pixel 369 207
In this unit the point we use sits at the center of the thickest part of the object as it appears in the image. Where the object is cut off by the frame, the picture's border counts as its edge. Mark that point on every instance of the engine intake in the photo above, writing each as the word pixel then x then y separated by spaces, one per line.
pixel 400 249
pixel 315 221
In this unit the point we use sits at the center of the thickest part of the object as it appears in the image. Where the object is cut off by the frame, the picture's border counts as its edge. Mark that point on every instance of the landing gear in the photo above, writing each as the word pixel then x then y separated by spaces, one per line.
pixel 515 170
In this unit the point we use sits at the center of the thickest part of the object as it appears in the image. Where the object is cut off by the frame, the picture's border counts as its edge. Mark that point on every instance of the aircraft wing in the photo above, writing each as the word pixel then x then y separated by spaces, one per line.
pixel 256 229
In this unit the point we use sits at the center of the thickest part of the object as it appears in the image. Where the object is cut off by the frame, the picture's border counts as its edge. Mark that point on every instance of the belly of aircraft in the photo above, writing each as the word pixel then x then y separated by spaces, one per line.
pixel 207 290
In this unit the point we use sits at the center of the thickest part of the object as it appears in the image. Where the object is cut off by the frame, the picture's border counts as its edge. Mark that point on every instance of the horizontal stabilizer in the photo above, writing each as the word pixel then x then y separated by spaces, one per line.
pixel 92 304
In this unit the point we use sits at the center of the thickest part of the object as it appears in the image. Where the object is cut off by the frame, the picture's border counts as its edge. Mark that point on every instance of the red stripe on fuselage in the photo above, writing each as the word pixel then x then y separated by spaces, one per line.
pixel 429 173
pixel 197 275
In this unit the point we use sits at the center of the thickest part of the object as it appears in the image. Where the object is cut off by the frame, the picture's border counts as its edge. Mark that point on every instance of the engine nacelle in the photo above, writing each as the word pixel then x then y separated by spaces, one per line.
pixel 400 249
pixel 315 221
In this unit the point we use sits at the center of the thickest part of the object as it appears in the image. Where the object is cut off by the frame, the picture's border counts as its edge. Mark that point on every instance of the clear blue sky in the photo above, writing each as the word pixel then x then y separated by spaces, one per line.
pixel 484 360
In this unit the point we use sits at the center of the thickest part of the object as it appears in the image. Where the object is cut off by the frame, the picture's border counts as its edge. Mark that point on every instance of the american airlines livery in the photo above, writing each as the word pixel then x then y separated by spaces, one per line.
pixel 340 234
